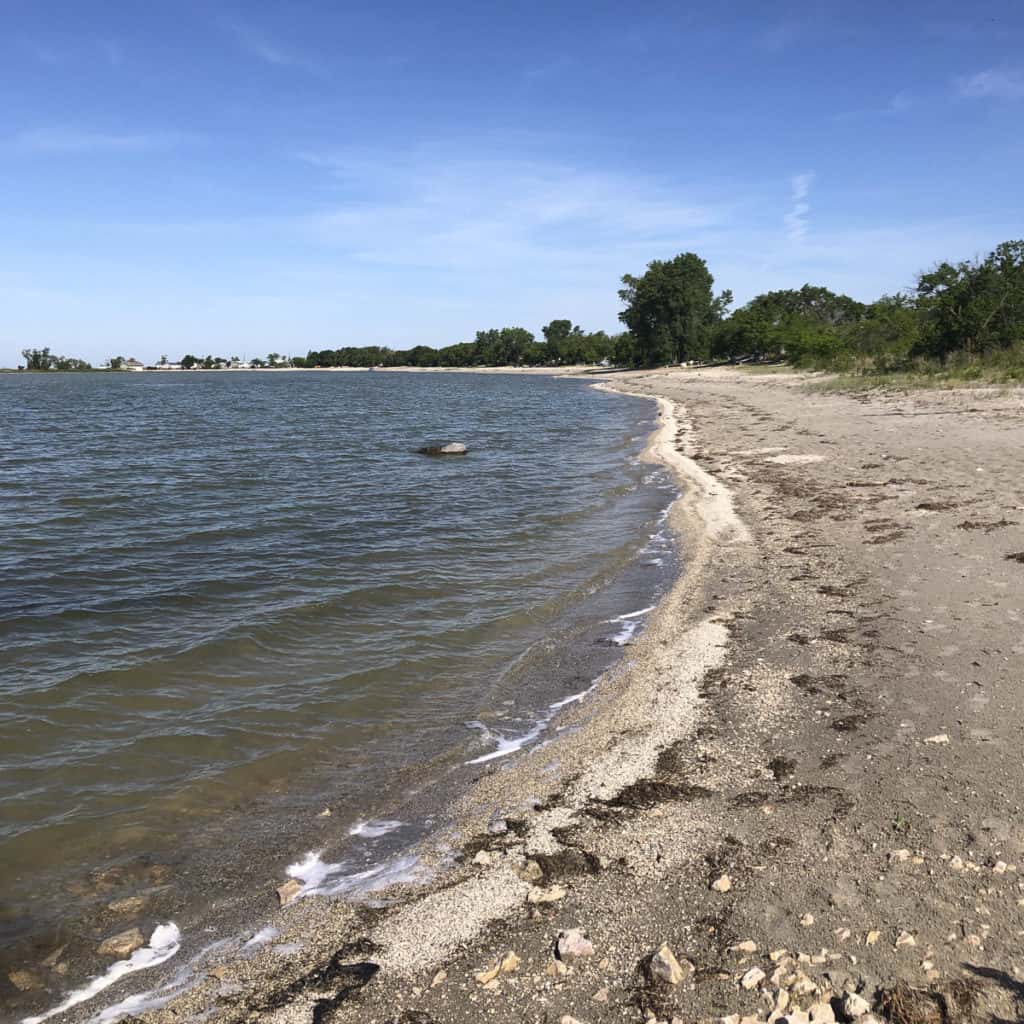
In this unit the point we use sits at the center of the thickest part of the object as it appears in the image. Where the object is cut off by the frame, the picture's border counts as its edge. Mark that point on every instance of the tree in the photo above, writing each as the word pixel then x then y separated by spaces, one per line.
pixel 188 362
pixel 671 309
pixel 37 358
pixel 163 360
pixel 117 363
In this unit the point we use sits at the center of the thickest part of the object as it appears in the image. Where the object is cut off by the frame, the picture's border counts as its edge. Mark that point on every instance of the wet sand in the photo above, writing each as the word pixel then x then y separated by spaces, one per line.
pixel 815 747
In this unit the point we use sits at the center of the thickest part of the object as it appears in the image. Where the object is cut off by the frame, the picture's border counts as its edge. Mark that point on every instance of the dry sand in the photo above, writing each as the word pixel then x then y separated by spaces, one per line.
pixel 827 710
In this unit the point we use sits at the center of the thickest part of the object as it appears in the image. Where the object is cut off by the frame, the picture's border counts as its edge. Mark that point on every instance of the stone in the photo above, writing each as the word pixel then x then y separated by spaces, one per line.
pixel 600 996
pixel 872 937
pixel 855 1006
pixel 822 1013
pixel 452 448
pixel 51 960
pixel 531 871
pixel 552 895
pixel 752 978
pixel 122 944
pixel 439 979
pixel 905 939
pixel 807 920
pixel 746 946
pixel 23 981
pixel 556 969
pixel 664 967
pixel 129 905
pixel 566 1019
pixel 483 859
pixel 899 856
pixel 288 891
pixel 573 944
pixel 722 884
pixel 325 813
pixel 956 863
pixel 940 739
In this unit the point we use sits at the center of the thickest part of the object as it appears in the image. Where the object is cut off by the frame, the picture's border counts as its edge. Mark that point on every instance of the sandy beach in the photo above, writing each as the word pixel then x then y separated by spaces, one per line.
pixel 804 779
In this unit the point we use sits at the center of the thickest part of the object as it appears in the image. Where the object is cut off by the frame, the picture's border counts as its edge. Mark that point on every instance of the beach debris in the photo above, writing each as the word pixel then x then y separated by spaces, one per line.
pixel 506 965
pixel 129 905
pixel 752 978
pixel 325 813
pixel 451 448
pixel 807 920
pixel 573 944
pixel 122 944
pixel 288 891
pixel 941 739
pixel 722 884
pixel 23 981
pixel 663 966
pixel 552 895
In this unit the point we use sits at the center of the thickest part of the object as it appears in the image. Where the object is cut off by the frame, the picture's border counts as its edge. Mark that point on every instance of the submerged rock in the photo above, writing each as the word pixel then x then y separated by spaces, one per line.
pixel 122 944
pixel 452 448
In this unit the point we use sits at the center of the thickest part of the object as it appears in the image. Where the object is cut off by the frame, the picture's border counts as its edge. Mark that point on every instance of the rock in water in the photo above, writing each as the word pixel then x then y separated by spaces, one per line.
pixel 123 944
pixel 452 448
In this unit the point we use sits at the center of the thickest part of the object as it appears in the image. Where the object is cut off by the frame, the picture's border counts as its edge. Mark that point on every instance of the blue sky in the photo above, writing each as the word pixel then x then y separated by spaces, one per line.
pixel 253 177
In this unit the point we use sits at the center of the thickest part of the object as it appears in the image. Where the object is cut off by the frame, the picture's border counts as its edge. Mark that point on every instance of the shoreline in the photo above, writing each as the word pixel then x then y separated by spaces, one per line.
pixel 805 780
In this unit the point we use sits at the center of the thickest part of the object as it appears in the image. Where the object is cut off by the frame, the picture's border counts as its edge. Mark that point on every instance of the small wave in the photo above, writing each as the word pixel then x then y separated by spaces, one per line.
pixel 321 878
pixel 633 615
pixel 163 944
pixel 374 827
pixel 263 936
pixel 624 635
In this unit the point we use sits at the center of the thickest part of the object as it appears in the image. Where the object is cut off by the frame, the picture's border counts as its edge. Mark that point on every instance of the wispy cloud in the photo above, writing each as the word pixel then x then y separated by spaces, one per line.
pixel 796 219
pixel 994 83
pixel 441 211
pixel 264 47
pixel 67 141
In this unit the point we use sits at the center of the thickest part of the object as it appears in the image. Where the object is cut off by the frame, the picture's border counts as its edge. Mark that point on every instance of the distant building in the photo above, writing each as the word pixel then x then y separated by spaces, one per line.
pixel 166 366
pixel 132 364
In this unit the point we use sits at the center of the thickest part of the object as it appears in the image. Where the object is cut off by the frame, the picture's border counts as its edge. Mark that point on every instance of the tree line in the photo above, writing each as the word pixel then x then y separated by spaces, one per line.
pixel 961 314
pixel 965 313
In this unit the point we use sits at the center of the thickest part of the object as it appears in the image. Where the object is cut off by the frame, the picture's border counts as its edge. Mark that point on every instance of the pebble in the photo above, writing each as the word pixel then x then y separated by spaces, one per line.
pixel 905 939
pixel 664 966
pixel 872 937
pixel 439 979
pixel 556 969
pixel 506 965
pixel 822 1013
pixel 807 920
pixel 288 891
pixel 552 895
pixel 566 1019
pixel 122 944
pixel 941 739
pixel 722 884
pixel 530 872
pixel 600 996
pixel 752 978
pixel 129 905
pixel 746 946
pixel 573 943
pixel 483 859
pixel 855 1006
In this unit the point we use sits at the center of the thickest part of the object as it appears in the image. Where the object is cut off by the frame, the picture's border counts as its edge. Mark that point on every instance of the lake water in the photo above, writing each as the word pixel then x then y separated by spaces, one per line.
pixel 231 600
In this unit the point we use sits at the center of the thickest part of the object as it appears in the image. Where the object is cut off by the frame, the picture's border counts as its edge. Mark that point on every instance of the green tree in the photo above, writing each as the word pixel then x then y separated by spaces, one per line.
pixel 187 362
pixel 671 309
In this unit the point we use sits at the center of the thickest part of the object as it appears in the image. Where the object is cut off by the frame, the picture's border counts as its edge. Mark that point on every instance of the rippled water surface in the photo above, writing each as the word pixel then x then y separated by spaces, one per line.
pixel 221 588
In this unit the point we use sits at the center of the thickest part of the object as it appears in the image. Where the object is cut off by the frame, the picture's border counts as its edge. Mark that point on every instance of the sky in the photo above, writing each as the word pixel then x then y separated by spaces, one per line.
pixel 241 178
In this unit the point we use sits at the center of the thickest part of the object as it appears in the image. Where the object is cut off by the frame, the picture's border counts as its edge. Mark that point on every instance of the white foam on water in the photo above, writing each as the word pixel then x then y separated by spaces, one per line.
pixel 507 744
pixel 625 634
pixel 163 944
pixel 263 936
pixel 318 877
pixel 374 827
pixel 633 615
